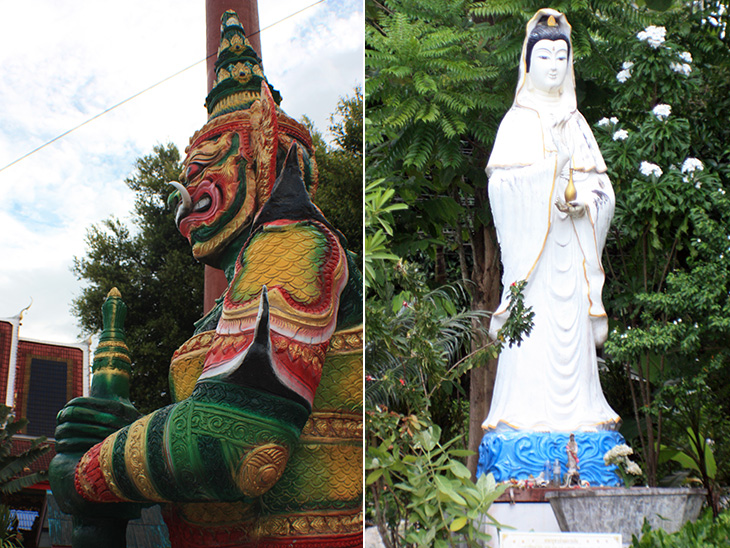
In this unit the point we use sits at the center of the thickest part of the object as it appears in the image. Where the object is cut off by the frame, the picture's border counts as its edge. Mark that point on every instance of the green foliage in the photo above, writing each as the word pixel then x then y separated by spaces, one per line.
pixel 154 270
pixel 378 228
pixel 416 354
pixel 432 112
pixel 706 532
pixel 667 255
pixel 424 495
pixel 416 341
pixel 10 537
pixel 339 194
pixel 519 322
pixel 12 478
pixel 693 424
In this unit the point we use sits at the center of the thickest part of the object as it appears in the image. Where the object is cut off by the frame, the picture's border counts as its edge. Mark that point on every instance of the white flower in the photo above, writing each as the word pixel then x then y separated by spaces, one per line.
pixel 662 111
pixel 652 35
pixel 692 164
pixel 713 21
pixel 685 56
pixel 680 68
pixel 633 468
pixel 612 121
pixel 617 452
pixel 647 169
pixel 625 72
pixel 621 135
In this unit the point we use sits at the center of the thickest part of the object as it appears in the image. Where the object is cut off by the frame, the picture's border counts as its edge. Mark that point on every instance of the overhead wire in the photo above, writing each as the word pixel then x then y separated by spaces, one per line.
pixel 131 97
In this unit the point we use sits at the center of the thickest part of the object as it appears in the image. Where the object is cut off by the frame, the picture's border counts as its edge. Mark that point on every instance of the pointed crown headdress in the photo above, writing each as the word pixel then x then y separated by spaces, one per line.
pixel 243 99
pixel 238 71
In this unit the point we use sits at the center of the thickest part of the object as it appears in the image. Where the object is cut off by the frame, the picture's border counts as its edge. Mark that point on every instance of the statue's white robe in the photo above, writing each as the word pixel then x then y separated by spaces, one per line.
pixel 550 382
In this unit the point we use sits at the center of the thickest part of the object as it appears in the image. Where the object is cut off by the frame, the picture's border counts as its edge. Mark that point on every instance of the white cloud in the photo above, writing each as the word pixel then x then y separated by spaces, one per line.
pixel 62 63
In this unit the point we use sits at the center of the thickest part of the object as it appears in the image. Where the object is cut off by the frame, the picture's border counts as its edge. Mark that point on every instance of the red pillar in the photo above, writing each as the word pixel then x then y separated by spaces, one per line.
pixel 248 14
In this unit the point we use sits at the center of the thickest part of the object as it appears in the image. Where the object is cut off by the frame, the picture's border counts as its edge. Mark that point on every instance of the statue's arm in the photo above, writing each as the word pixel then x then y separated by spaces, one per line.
pixel 232 437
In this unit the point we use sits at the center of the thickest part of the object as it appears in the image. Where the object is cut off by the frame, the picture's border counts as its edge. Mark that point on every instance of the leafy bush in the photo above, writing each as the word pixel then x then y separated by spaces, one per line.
pixel 704 533
pixel 423 495
pixel 667 257
pixel 420 494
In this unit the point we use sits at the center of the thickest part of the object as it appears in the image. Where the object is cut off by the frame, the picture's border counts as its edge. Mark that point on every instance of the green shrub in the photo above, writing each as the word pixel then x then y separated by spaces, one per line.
pixel 704 533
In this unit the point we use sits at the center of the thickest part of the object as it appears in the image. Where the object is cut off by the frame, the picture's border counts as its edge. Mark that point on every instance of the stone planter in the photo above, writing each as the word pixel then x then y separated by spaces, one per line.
pixel 621 510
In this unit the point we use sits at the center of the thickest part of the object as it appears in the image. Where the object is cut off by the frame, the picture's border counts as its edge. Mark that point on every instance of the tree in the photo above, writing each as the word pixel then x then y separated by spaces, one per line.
pixel 12 466
pixel 155 272
pixel 339 195
pixel 667 255
pixel 432 111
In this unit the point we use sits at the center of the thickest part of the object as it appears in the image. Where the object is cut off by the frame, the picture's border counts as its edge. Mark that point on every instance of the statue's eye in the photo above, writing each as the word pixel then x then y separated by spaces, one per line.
pixel 193 170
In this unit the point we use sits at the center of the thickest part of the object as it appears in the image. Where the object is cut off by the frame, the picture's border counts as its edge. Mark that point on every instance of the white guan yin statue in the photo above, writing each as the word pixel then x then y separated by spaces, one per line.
pixel 552 205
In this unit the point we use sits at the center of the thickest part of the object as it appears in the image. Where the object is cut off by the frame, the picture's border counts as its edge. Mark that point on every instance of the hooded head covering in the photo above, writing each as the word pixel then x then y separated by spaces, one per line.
pixel 524 94
pixel 525 135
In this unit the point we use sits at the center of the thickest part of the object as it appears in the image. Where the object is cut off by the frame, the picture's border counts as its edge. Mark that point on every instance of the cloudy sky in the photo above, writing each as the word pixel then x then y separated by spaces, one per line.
pixel 62 63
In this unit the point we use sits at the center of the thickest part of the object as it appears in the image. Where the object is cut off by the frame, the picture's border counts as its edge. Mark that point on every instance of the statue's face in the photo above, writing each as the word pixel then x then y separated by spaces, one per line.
pixel 219 177
pixel 549 65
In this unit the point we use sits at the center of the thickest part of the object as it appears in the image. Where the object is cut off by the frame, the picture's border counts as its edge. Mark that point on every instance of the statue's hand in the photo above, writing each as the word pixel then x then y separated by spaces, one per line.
pixel 574 209
pixel 83 423
pixel 562 144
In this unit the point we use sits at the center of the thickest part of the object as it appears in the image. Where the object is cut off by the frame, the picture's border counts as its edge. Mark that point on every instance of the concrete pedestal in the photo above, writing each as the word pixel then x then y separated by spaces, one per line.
pixel 524 510
pixel 621 510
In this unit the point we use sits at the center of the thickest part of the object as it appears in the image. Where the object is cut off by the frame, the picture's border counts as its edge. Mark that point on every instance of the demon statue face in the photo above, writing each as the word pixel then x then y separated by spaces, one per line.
pixel 233 160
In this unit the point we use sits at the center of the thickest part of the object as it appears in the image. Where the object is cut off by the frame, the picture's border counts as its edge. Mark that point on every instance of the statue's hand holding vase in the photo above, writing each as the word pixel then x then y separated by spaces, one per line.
pixel 573 209
pixel 85 422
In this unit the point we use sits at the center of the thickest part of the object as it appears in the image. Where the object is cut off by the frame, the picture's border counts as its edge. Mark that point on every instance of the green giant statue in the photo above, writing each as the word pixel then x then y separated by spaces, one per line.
pixel 263 443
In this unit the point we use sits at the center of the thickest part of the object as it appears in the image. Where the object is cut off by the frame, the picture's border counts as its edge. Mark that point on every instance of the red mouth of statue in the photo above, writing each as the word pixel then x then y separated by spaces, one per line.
pixel 206 200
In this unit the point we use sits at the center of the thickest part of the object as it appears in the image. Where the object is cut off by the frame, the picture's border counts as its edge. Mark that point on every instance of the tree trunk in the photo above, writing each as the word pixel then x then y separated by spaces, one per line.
pixel 440 266
pixel 485 296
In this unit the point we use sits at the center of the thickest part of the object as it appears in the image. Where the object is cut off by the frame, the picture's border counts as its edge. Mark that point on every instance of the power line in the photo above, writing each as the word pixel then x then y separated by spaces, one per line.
pixel 102 113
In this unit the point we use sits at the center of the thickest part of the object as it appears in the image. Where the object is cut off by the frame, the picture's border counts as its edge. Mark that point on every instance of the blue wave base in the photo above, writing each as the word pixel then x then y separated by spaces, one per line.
pixel 517 454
